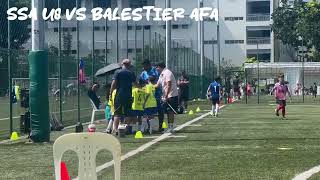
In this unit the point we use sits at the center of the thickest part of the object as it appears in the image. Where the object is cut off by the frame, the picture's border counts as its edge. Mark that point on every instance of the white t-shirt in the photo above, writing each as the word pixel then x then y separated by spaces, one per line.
pixel 164 78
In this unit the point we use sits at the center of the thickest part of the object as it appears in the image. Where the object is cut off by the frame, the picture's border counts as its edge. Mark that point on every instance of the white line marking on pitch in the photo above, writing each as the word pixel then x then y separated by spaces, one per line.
pixel 307 174
pixel 154 137
pixel 194 125
pixel 149 144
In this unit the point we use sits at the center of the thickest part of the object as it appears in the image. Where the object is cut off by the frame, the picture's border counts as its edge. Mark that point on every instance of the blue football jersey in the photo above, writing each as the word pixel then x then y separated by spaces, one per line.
pixel 215 90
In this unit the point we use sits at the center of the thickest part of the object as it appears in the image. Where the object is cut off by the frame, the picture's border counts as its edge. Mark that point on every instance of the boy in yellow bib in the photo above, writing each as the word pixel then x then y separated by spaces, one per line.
pixel 151 102
pixel 112 109
pixel 139 98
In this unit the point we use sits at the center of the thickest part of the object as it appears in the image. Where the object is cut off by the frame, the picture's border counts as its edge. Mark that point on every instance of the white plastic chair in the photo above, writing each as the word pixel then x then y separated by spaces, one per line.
pixel 94 110
pixel 87 145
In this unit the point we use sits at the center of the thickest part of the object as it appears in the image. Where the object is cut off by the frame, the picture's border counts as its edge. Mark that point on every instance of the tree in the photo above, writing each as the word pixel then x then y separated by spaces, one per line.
pixel 19 33
pixel 302 19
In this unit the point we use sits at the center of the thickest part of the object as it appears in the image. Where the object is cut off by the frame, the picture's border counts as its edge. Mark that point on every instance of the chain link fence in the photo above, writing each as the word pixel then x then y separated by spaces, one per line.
pixel 302 78
pixel 97 44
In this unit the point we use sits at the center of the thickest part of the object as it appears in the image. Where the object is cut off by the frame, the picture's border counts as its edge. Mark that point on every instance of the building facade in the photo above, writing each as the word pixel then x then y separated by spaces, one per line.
pixel 243 27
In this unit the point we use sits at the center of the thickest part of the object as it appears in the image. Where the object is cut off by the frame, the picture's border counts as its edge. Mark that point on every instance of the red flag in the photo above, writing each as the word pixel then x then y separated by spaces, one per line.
pixel 82 77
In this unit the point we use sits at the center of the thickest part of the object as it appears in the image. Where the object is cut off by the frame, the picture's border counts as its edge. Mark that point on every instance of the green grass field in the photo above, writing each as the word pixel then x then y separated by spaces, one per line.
pixel 245 142
pixel 69 113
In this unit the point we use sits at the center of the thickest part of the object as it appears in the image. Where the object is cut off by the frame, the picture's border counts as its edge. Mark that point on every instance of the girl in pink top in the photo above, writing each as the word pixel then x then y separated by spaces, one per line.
pixel 280 91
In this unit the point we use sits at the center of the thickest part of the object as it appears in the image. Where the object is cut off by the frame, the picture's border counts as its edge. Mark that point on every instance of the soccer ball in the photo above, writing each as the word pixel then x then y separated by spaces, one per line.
pixel 92 128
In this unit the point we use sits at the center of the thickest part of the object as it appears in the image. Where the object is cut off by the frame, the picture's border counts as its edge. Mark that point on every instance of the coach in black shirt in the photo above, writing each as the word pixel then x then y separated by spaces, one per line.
pixel 122 81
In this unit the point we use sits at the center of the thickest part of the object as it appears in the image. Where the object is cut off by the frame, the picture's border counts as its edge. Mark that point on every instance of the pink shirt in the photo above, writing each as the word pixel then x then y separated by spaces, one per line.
pixel 164 78
pixel 281 91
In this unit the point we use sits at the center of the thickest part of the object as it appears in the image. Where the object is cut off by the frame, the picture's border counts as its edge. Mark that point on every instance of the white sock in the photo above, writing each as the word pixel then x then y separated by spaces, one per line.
pixel 212 108
pixel 110 124
pixel 170 125
pixel 151 122
pixel 144 125
pixel 217 108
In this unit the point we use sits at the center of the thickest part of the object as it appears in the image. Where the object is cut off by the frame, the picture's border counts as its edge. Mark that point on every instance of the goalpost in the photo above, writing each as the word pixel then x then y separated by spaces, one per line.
pixel 38 74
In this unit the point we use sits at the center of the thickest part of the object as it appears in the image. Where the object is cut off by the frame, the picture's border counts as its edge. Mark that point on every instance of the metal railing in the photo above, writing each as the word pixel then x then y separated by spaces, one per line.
pixel 258 17
pixel 258 40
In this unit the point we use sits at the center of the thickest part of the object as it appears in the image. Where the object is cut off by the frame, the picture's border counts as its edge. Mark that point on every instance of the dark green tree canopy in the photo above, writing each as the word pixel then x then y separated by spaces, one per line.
pixel 292 23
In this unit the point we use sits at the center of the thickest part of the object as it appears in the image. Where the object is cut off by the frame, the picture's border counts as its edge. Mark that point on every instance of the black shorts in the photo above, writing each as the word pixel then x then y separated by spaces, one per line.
pixel 215 101
pixel 122 105
pixel 173 102
pixel 281 102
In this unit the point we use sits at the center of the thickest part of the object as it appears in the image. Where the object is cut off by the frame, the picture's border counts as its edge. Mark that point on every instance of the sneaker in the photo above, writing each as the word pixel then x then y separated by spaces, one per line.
pixel 108 131
pixel 277 113
pixel 211 113
pixel 215 114
pixel 161 130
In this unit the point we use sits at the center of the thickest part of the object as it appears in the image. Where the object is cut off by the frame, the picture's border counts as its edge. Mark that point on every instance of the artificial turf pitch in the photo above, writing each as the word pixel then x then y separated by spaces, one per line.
pixel 244 142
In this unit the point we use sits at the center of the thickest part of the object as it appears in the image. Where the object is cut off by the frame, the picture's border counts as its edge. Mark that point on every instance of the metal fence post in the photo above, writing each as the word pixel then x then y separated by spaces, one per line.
pixel 9 74
pixel 78 68
pixel 60 67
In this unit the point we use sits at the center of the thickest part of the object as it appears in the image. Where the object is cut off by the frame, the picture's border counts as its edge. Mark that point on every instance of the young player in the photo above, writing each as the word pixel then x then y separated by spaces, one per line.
pixel 314 90
pixel 213 93
pixel 151 102
pixel 139 97
pixel 112 109
pixel 280 91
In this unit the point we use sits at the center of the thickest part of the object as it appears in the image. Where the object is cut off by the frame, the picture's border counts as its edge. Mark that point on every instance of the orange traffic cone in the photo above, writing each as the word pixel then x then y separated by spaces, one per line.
pixel 64 171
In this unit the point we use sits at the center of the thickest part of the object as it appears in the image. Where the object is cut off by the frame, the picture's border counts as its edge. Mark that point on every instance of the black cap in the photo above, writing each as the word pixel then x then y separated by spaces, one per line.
pixel 161 64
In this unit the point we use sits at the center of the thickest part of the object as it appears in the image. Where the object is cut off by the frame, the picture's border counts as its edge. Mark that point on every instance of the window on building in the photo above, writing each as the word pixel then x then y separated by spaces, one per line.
pixel 163 26
pixel 185 26
pixel 258 7
pixel 102 3
pixel 175 26
pixel 65 29
pixel 130 28
pixel 97 28
pixel 74 52
pixel 138 27
pixel 55 29
pixel 104 28
pixel 140 3
pixel 139 50
pixel 73 29
pixel 233 18
pixel 263 57
pixel 210 42
pixel 147 27
pixel 234 41
pixel 104 51
pixel 97 51
pixel 130 50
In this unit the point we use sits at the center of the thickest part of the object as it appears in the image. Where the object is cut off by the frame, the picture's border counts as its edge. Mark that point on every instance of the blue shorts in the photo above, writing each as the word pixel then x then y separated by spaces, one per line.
pixel 135 113
pixel 151 111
